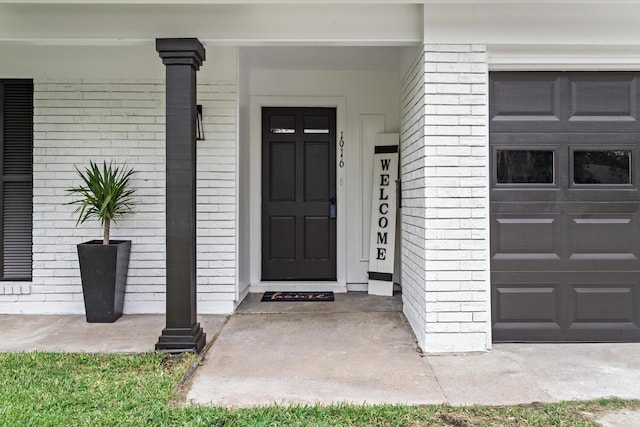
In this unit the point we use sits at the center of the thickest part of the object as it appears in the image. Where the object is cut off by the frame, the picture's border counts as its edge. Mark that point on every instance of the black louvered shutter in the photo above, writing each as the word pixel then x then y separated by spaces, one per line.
pixel 16 122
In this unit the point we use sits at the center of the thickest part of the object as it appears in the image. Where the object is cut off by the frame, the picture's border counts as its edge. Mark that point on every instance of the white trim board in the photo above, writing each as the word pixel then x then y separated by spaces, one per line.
pixel 363 287
pixel 544 57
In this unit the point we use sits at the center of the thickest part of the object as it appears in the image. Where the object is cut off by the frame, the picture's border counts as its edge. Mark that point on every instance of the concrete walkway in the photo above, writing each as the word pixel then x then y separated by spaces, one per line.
pixel 361 350
pixel 71 333
pixel 358 349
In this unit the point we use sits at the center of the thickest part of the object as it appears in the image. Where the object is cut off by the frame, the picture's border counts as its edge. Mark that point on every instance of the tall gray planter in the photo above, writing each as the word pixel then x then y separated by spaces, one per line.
pixel 103 269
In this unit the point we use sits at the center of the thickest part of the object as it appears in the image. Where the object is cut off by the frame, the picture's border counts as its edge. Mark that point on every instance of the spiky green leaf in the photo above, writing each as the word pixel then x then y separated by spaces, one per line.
pixel 104 193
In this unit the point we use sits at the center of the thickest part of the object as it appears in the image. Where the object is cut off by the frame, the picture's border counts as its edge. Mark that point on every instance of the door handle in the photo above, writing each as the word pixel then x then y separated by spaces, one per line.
pixel 332 208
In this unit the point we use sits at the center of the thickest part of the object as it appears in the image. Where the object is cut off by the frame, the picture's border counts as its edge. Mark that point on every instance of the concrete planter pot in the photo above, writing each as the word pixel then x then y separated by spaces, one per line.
pixel 103 269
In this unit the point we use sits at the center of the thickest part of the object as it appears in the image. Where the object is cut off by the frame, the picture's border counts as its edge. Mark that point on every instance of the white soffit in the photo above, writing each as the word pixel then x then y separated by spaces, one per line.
pixel 230 24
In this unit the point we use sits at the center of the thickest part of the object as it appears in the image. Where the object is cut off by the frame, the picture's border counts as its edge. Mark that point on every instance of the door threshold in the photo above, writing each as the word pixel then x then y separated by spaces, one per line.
pixel 303 286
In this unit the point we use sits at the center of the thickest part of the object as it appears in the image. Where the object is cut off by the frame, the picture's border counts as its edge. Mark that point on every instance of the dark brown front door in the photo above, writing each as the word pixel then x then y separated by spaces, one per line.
pixel 565 206
pixel 298 194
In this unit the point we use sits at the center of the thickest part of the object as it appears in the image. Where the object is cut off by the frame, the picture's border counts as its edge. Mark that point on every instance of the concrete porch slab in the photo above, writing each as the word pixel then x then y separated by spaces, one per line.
pixel 360 349
pixel 366 357
pixel 371 357
pixel 351 302
pixel 71 333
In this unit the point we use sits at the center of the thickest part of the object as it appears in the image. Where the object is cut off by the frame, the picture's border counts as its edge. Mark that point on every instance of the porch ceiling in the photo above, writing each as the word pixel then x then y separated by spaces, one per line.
pixel 228 24
pixel 334 58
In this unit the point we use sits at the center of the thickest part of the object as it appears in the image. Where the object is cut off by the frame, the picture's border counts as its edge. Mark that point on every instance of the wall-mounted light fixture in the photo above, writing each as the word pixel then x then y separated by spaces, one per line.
pixel 199 124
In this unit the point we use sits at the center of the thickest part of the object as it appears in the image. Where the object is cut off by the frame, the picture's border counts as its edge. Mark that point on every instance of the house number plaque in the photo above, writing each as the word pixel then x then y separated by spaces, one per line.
pixel 341 163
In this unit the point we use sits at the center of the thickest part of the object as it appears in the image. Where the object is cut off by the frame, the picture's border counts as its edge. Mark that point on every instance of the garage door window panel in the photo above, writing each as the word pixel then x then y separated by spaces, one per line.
pixel 602 167
pixel 535 166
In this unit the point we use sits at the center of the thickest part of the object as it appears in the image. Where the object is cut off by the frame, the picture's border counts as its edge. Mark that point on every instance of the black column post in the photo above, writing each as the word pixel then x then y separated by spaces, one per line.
pixel 182 58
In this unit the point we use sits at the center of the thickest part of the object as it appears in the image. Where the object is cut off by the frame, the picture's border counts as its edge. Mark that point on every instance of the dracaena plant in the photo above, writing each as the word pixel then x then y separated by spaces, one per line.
pixel 105 194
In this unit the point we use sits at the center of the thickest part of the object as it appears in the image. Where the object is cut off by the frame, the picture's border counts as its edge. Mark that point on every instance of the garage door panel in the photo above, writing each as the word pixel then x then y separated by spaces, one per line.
pixel 594 98
pixel 598 303
pixel 527 302
pixel 567 102
pixel 544 236
pixel 527 307
pixel 535 99
pixel 603 237
pixel 528 241
pixel 605 306
pixel 565 257
pixel 566 306
pixel 525 235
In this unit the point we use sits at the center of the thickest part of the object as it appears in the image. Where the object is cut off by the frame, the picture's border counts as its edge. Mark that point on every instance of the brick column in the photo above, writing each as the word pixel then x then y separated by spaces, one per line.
pixel 457 212
pixel 446 189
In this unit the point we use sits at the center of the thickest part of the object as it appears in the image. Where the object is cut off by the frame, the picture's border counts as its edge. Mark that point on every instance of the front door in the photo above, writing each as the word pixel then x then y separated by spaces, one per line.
pixel 298 193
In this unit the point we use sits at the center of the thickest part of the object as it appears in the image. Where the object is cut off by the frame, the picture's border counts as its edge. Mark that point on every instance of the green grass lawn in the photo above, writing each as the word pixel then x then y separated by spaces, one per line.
pixel 64 389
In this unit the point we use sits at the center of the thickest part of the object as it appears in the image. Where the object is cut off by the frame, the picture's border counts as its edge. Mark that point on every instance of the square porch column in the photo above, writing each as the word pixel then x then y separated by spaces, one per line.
pixel 182 58
pixel 445 183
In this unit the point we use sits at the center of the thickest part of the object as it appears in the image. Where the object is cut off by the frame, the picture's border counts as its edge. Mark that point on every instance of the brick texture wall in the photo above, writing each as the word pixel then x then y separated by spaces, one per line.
pixel 78 121
pixel 216 197
pixel 457 212
pixel 412 220
pixel 446 199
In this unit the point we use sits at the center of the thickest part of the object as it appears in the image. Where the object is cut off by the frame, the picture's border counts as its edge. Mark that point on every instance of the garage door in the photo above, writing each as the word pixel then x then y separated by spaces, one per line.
pixel 565 222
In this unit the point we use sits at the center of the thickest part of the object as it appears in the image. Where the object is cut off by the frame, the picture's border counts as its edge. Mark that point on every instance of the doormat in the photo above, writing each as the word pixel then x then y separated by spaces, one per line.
pixel 297 296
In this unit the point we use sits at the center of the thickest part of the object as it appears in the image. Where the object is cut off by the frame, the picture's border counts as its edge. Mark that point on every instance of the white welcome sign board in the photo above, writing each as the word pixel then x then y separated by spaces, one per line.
pixel 382 242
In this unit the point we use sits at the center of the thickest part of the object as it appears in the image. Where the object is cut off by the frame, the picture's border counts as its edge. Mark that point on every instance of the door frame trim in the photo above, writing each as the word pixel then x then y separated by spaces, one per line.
pixel 255 179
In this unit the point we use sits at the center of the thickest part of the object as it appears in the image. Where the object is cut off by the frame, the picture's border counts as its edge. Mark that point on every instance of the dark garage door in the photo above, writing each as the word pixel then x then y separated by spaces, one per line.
pixel 565 227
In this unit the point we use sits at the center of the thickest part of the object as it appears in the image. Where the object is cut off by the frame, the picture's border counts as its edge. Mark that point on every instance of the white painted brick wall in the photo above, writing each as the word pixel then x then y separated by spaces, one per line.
pixel 124 121
pixel 457 199
pixel 445 225
pixel 412 164
pixel 216 197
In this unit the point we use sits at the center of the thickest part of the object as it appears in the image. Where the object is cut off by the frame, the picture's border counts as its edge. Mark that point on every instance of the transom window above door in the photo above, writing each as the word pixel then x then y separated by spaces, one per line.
pixel 282 124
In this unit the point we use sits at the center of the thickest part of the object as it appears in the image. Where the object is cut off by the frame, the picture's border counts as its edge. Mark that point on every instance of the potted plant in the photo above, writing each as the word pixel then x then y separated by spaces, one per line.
pixel 104 194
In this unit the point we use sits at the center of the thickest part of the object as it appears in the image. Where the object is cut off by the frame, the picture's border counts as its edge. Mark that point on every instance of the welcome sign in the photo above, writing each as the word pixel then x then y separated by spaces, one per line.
pixel 382 241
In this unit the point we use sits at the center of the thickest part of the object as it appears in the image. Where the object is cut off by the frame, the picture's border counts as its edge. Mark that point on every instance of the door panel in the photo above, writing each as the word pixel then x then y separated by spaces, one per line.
pixel 284 247
pixel 317 238
pixel 316 171
pixel 283 171
pixel 298 184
